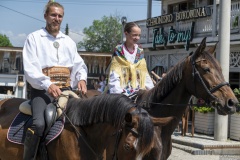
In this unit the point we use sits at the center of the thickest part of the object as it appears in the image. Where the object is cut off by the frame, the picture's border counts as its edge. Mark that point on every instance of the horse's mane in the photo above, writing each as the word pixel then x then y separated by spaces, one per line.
pixel 172 78
pixel 146 130
pixel 110 108
pixel 104 108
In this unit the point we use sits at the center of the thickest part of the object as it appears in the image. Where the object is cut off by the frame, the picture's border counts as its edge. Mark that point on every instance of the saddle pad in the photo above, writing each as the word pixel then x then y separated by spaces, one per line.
pixel 18 128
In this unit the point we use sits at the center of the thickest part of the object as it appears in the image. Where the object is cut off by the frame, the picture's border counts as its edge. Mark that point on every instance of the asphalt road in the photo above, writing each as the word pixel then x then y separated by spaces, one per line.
pixel 178 154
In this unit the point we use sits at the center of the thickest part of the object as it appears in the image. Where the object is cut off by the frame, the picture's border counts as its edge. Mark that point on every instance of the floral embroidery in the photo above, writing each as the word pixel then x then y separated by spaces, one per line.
pixel 119 52
pixel 129 90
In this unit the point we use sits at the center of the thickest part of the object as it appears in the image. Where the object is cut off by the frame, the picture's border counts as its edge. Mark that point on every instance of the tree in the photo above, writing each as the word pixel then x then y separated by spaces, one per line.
pixel 66 30
pixel 4 41
pixel 103 35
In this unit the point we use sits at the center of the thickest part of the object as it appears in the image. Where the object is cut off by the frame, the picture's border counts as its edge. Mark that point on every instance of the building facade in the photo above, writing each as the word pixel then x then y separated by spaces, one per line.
pixel 179 29
pixel 12 79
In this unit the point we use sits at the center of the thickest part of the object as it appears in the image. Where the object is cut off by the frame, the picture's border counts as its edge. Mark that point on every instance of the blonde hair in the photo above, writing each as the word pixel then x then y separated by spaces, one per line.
pixel 128 27
pixel 52 4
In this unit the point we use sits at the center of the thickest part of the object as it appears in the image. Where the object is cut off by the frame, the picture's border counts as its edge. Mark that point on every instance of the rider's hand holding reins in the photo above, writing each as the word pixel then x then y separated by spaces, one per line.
pixel 82 86
pixel 54 90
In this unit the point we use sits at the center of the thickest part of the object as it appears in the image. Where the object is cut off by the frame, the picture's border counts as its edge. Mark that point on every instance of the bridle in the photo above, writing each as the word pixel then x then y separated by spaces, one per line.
pixel 138 110
pixel 196 75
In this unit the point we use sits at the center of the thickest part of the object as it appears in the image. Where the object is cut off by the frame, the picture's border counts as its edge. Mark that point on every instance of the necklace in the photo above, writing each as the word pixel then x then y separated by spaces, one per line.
pixel 56 44
pixel 131 52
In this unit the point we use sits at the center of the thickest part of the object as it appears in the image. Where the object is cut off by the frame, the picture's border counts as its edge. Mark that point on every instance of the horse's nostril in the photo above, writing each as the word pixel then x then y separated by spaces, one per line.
pixel 231 103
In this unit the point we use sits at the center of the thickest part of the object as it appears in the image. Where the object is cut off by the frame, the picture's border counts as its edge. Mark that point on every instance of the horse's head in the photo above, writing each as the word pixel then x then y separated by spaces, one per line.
pixel 208 81
pixel 139 136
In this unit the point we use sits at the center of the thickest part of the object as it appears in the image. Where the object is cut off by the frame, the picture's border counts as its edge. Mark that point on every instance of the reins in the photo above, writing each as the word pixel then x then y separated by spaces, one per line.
pixel 145 105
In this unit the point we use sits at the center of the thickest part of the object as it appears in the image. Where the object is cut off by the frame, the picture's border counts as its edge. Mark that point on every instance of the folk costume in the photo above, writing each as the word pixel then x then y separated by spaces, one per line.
pixel 128 71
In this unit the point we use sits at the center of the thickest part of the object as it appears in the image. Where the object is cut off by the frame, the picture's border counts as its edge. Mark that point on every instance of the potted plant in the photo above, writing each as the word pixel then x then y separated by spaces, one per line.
pixel 235 120
pixel 204 119
pixel 235 22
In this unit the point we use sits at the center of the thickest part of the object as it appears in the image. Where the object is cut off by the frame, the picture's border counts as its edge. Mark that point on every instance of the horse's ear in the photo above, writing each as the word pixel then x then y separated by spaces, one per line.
pixel 200 48
pixel 128 118
pixel 212 49
pixel 162 121
pixel 190 53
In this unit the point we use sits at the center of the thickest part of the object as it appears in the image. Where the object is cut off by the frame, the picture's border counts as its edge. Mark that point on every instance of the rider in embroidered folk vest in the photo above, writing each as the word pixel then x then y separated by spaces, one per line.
pixel 128 71
pixel 51 65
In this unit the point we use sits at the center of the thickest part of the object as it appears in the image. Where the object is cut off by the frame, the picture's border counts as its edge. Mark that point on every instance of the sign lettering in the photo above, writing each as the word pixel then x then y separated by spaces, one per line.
pixel 159 38
pixel 179 16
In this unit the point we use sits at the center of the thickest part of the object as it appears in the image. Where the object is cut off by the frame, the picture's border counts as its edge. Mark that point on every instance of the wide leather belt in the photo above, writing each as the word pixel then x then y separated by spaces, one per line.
pixel 60 76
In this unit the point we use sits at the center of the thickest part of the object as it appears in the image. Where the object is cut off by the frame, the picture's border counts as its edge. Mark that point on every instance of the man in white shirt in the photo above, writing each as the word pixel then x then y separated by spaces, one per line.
pixel 51 65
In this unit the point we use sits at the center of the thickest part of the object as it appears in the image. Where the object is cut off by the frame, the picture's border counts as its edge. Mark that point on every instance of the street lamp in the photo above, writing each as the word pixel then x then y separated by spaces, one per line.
pixel 124 21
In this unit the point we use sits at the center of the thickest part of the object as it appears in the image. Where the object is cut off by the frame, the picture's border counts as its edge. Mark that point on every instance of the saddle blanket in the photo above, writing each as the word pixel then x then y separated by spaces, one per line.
pixel 18 128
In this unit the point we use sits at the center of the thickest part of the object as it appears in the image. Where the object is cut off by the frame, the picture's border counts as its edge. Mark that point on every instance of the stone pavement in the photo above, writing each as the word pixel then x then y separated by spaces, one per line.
pixel 200 146
pixel 178 154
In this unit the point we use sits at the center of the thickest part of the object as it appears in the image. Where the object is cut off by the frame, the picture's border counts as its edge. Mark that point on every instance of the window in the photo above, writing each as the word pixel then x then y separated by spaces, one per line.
pixel 210 2
pixel 6 90
pixel 183 6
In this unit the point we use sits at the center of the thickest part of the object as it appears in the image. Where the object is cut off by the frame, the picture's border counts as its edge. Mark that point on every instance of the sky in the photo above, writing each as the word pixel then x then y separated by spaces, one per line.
pixel 18 18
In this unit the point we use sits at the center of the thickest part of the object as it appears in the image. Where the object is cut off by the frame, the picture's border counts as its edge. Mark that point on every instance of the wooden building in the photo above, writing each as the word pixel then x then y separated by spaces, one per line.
pixel 179 29
pixel 12 79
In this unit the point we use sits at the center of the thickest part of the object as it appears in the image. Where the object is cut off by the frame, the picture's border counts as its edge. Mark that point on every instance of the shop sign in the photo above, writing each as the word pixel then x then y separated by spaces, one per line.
pixel 173 36
pixel 160 20
pixel 194 13
pixel 179 16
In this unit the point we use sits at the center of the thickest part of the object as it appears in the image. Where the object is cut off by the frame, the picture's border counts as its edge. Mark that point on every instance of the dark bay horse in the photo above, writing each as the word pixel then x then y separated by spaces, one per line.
pixel 99 120
pixel 200 75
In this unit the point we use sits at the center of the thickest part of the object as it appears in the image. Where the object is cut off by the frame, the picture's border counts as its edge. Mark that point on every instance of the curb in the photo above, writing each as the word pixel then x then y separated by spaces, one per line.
pixel 192 150
pixel 197 147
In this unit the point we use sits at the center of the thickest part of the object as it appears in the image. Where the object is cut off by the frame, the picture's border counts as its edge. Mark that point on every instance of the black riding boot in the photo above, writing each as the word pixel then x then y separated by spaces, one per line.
pixel 30 145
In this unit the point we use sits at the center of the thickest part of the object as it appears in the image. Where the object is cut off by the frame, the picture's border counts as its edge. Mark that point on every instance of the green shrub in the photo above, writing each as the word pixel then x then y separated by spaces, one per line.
pixel 236 91
pixel 203 109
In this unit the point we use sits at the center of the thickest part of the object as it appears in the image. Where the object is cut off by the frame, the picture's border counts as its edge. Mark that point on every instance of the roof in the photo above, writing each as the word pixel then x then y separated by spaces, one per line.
pixel 82 53
pixel 98 54
pixel 11 49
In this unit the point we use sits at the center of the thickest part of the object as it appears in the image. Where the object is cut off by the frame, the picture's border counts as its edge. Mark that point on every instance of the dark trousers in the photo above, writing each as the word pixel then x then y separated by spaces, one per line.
pixel 39 101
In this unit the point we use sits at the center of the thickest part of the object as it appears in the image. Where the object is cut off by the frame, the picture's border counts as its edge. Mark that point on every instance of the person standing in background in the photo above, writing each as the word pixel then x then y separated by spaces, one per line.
pixel 100 86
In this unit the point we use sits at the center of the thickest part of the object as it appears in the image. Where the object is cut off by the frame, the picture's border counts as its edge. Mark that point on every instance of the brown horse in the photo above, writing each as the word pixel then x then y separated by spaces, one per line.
pixel 105 121
pixel 200 75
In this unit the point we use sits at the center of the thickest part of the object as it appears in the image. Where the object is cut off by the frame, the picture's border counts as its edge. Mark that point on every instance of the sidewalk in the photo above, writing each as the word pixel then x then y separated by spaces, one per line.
pixel 201 144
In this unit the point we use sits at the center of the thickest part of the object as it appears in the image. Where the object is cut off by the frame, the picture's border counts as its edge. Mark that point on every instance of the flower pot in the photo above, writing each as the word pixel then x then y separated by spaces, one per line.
pixel 204 123
pixel 235 127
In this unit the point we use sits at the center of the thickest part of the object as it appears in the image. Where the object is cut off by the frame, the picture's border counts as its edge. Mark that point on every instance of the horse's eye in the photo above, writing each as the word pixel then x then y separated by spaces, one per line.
pixel 206 69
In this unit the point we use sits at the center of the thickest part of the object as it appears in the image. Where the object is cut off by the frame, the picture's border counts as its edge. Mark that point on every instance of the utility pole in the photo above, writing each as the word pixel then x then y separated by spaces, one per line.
pixel 149 9
pixel 124 21
pixel 221 122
